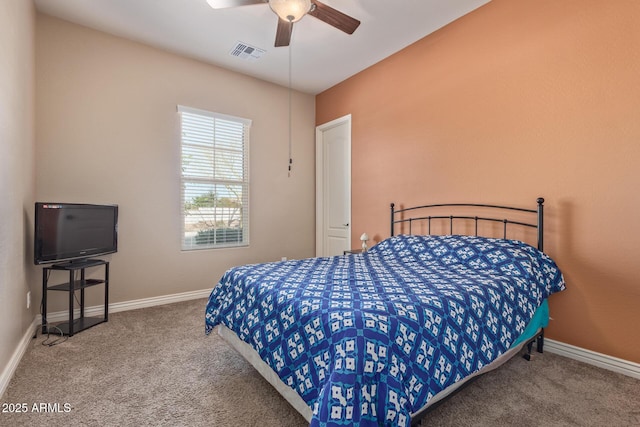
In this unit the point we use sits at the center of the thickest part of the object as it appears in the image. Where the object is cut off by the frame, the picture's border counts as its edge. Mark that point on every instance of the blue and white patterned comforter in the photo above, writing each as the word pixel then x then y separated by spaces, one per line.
pixel 368 339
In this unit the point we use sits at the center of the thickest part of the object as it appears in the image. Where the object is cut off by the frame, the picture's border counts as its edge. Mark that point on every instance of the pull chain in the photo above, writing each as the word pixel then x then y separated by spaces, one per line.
pixel 290 114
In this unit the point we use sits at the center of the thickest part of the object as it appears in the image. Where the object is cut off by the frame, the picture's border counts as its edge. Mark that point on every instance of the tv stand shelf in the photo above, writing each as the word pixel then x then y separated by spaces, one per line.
pixel 78 285
pixel 74 284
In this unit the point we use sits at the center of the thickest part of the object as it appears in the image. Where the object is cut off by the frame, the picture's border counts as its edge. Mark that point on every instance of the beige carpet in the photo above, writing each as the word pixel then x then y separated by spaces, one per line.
pixel 155 366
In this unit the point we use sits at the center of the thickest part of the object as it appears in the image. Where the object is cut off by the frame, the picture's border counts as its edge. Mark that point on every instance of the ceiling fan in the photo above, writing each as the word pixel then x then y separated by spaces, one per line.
pixel 290 11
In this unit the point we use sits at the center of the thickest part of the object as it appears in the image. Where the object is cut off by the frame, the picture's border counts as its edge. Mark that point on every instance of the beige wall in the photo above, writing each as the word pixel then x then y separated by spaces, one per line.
pixel 17 183
pixel 516 100
pixel 107 132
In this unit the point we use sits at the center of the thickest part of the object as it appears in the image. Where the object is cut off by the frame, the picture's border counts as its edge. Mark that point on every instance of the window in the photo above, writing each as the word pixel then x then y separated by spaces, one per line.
pixel 215 179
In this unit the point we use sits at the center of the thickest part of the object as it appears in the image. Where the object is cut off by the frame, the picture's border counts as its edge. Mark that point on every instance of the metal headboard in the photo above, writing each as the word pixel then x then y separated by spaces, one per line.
pixel 539 225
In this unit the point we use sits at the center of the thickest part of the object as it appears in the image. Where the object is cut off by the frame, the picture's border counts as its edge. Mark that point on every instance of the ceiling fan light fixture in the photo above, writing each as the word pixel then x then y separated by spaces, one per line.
pixel 290 10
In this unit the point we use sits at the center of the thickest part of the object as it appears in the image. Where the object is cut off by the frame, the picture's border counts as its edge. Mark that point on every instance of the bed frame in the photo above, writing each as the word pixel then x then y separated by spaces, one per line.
pixel 412 216
pixel 398 217
pixel 418 215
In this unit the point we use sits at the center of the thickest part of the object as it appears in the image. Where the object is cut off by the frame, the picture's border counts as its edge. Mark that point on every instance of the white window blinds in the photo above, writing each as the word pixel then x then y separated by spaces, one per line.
pixel 215 179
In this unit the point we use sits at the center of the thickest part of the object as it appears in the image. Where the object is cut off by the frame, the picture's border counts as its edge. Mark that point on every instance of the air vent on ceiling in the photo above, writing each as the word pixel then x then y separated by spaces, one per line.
pixel 247 52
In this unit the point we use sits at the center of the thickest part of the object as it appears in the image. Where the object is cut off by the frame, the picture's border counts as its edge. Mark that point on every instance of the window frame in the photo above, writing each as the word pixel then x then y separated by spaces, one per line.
pixel 185 180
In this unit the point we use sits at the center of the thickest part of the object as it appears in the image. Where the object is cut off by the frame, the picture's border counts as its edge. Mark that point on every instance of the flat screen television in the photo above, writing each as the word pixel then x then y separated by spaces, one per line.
pixel 73 231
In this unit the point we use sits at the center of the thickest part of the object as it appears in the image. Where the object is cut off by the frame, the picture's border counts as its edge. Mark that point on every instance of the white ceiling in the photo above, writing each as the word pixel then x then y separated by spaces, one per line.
pixel 321 55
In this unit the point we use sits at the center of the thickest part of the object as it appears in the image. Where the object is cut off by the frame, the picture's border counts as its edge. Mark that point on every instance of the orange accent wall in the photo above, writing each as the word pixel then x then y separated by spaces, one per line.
pixel 514 101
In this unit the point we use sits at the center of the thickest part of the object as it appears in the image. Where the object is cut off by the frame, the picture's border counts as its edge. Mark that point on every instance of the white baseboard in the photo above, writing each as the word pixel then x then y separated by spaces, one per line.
pixel 98 310
pixel 11 367
pixel 600 360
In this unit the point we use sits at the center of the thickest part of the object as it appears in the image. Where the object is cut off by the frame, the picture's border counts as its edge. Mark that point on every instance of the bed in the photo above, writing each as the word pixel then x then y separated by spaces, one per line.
pixel 380 337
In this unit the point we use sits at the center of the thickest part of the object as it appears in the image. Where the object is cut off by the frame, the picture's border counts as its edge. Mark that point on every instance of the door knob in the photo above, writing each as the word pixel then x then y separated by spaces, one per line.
pixel 346 225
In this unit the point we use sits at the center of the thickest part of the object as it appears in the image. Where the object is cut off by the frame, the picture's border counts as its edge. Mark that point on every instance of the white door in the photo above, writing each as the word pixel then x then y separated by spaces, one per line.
pixel 333 187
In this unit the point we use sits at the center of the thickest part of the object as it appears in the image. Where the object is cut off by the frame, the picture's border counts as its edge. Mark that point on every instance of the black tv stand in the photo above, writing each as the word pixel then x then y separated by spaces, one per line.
pixel 75 325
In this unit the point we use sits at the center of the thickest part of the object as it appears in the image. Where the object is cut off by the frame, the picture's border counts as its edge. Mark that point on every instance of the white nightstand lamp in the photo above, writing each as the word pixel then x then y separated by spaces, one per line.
pixel 364 238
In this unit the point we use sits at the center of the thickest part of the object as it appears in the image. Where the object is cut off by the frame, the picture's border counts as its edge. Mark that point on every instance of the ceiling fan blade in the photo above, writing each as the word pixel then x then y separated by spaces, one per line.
pixel 223 4
pixel 334 17
pixel 283 33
